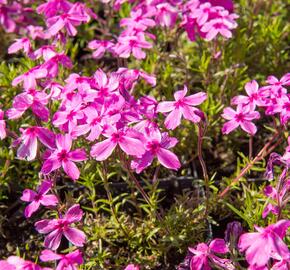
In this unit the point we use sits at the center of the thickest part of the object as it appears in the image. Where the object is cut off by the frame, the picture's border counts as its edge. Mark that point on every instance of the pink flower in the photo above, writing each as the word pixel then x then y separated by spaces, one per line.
pixel 63 157
pixel 166 15
pixel 265 244
pixel 29 77
pixel 3 133
pixel 241 117
pixel 20 264
pixel 255 97
pixel 66 20
pixel 55 228
pixel 132 44
pixel 20 44
pixel 217 26
pixel 38 198
pixel 182 106
pixel 138 20
pixel 7 266
pixel 129 141
pixel 28 140
pixel 157 144
pixel 276 83
pixel 66 262
pixel 100 47
pixel 69 115
pixel 52 7
pixel 277 196
pixel 204 254
pixel 33 99
pixel 132 267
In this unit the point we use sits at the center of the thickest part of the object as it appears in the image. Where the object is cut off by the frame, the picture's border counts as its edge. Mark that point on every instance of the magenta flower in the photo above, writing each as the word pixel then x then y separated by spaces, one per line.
pixel 277 196
pixel 38 198
pixel 56 228
pixel 241 117
pixel 20 44
pixel 63 157
pixel 66 20
pixel 132 44
pixel 52 7
pixel 28 148
pixel 66 261
pixel 254 98
pixel 204 256
pixel 132 267
pixel 217 26
pixel 276 83
pixel 29 77
pixel 100 47
pixel 3 133
pixel 7 266
pixel 33 99
pixel 265 244
pixel 20 264
pixel 166 15
pixel 129 140
pixel 182 106
pixel 138 20
pixel 157 145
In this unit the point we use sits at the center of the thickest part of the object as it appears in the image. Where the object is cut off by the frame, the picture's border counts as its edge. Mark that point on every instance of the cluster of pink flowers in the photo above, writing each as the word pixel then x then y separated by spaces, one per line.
pixel 208 18
pixel 272 99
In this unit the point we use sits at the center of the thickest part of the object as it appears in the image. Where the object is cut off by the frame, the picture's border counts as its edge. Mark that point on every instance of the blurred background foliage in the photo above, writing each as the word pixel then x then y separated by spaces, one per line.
pixel 120 225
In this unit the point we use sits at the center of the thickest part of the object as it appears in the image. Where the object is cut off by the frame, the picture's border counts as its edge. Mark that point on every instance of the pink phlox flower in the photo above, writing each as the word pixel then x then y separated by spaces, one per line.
pixel 132 44
pixel 100 47
pixel 56 228
pixel 29 78
pixel 274 82
pixel 51 65
pixel 55 90
pixel 75 81
pixel 6 20
pixel 104 84
pixel 38 198
pixel 66 261
pixel 241 117
pixel 148 106
pixel 138 19
pixel 182 106
pixel 82 9
pixel 217 26
pixel 68 20
pixel 3 132
pixel 36 100
pixel 166 14
pixel 7 266
pixel 63 157
pixel 204 256
pixel 157 145
pixel 129 140
pixel 20 44
pixel 36 32
pixel 254 98
pixel 95 121
pixel 21 264
pixel 227 4
pixel 46 52
pixel 202 13
pixel 283 264
pixel 52 7
pixel 28 141
pixel 265 244
pixel 132 267
pixel 69 114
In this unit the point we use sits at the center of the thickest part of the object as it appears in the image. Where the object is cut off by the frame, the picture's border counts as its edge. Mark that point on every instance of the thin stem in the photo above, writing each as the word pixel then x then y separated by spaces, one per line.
pixel 203 166
pixel 263 152
pixel 251 147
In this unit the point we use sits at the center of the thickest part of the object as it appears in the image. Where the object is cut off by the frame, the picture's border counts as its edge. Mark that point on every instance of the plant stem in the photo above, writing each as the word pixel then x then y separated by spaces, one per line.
pixel 251 147
pixel 263 152
pixel 203 166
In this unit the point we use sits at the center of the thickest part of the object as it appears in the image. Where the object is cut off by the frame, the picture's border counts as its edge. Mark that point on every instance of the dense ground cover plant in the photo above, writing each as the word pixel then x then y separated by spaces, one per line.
pixel 98 94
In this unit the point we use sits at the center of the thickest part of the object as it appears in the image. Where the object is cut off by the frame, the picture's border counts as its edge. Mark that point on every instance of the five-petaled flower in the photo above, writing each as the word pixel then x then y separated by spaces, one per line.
pixel 56 228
